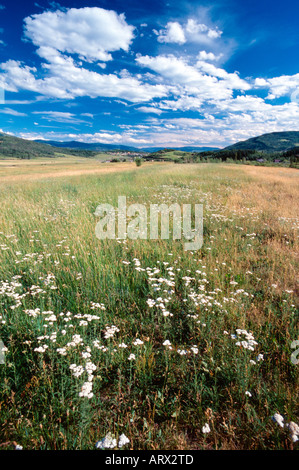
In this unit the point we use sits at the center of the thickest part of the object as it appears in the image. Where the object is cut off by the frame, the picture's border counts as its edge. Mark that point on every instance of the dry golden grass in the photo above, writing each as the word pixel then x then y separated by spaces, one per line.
pixel 34 171
pixel 270 189
pixel 273 193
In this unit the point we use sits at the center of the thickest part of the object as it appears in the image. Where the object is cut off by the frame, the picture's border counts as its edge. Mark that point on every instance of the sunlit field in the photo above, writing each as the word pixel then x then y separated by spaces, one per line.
pixel 139 344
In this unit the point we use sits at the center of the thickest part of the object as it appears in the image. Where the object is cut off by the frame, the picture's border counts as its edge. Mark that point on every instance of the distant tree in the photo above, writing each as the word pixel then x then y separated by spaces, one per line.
pixel 138 161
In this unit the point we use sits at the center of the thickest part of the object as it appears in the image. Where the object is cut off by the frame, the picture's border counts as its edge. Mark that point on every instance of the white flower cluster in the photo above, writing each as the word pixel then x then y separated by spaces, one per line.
pixel 41 349
pixel 110 331
pixel 77 370
pixel 97 345
pixel 87 317
pixel 294 430
pixel 94 305
pixel 138 342
pixel 247 343
pixel 160 303
pixel 10 290
pixel 182 352
pixel 33 312
pixel 206 428
pixel 109 442
pixel 49 281
pixel 86 389
pixel 291 426
pixel 76 340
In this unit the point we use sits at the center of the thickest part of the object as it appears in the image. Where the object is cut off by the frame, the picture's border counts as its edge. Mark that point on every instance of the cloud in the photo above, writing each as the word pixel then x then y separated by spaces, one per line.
pixel 58 116
pixel 245 117
pixel 284 85
pixel 104 137
pixel 92 33
pixel 149 109
pixel 192 31
pixel 66 80
pixel 74 47
pixel 232 79
pixel 87 115
pixel 12 112
pixel 260 82
pixel 184 102
pixel 173 33
pixel 19 101
pixel 17 77
pixel 202 81
pixel 196 30
pixel 203 55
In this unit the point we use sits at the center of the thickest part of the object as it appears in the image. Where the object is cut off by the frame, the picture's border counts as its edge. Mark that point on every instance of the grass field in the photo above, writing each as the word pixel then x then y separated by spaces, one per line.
pixel 174 349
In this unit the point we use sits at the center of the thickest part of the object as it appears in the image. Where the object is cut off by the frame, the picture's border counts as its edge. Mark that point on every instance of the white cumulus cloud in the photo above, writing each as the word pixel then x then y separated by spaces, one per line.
pixel 64 79
pixel 192 31
pixel 173 33
pixel 149 109
pixel 203 81
pixel 92 33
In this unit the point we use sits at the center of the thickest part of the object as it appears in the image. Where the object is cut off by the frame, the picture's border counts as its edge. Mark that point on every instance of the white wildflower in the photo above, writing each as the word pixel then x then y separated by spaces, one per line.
pixel 76 370
pixel 278 419
pixel 61 351
pixel 137 342
pixel 85 354
pixel 86 390
pixel 294 431
pixel 132 357
pixel 107 442
pixel 182 352
pixel 123 440
pixel 41 349
pixel 206 429
pixel 110 331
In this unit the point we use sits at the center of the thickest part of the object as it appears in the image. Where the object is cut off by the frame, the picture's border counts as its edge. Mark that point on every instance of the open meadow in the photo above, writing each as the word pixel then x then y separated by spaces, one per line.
pixel 170 349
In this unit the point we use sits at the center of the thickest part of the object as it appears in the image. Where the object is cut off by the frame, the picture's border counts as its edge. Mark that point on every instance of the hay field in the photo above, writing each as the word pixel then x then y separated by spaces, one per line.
pixel 173 349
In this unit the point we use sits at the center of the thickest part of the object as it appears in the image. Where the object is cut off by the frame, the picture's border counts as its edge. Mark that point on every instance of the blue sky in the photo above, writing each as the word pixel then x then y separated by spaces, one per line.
pixel 150 73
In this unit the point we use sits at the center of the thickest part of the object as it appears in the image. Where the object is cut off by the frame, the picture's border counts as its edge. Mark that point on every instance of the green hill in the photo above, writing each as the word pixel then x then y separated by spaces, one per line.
pixel 273 142
pixel 169 155
pixel 14 147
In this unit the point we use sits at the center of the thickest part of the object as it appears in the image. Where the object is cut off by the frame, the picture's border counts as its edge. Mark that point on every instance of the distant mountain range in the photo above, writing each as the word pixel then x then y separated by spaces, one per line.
pixel 273 142
pixel 108 147
pixel 14 147
pixel 86 146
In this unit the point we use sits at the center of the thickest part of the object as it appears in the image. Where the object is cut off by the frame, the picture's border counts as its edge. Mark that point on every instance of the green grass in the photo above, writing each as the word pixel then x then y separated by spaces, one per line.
pixel 53 270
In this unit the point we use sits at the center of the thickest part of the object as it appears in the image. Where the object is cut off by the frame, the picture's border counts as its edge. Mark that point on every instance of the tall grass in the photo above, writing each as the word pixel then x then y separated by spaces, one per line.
pixel 160 340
